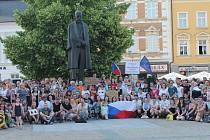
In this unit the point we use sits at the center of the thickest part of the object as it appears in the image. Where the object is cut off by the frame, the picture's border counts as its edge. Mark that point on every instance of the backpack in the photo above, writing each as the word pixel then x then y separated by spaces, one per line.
pixel 80 120
pixel 170 117
pixel 206 118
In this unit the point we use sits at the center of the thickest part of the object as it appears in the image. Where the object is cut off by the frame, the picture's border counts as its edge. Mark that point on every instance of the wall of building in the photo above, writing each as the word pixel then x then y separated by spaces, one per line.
pixel 7 69
pixel 192 62
pixel 158 27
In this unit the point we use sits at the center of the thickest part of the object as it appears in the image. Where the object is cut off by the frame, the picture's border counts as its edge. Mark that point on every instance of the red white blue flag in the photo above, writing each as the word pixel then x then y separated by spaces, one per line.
pixel 116 69
pixel 122 110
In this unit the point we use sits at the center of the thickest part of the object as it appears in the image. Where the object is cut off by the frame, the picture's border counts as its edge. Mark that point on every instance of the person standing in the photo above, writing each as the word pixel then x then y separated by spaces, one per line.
pixel 18 112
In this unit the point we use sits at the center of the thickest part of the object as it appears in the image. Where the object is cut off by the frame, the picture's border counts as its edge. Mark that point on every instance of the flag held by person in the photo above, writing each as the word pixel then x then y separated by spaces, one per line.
pixel 122 110
pixel 145 64
pixel 116 69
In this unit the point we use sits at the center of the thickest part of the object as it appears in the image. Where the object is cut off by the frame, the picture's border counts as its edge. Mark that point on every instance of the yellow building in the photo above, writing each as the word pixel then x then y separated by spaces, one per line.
pixel 191 36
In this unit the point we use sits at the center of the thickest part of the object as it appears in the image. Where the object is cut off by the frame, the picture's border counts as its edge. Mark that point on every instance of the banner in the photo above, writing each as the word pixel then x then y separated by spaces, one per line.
pixel 132 67
pixel 91 81
pixel 112 93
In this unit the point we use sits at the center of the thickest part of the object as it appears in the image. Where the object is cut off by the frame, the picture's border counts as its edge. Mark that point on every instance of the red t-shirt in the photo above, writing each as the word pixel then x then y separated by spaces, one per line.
pixel 154 93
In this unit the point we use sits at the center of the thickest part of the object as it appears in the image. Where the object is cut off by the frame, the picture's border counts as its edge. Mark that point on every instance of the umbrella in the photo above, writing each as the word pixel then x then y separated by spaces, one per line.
pixel 173 76
pixel 200 75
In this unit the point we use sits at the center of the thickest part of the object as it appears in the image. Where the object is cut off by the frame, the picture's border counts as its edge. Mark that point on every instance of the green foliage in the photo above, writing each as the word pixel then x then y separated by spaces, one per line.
pixel 40 50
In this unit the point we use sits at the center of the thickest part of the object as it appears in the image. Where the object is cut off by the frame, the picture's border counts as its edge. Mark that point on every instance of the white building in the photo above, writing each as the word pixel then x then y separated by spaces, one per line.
pixel 7 69
pixel 8 27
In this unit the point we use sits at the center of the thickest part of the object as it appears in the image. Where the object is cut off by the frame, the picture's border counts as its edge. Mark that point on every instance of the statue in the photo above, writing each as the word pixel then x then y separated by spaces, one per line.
pixel 78 48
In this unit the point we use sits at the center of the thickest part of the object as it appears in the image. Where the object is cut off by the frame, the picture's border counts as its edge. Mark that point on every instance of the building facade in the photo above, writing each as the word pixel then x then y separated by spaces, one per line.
pixel 191 36
pixel 8 27
pixel 7 69
pixel 151 20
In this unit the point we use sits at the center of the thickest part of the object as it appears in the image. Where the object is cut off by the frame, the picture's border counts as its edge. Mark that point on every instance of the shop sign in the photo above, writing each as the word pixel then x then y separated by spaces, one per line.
pixel 157 68
pixel 193 68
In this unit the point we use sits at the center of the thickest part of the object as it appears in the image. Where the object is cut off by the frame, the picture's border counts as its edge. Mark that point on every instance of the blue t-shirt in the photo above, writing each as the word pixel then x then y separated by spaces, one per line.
pixel 172 90
pixel 22 94
pixel 71 88
pixel 146 106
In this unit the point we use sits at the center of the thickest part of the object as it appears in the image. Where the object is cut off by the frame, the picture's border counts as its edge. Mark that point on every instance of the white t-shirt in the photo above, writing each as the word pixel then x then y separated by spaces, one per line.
pixel 142 95
pixel 179 91
pixel 41 105
pixel 138 103
pixel 101 93
pixel 163 91
pixel 3 93
pixel 83 108
pixel 84 92
pixel 164 104
pixel 155 102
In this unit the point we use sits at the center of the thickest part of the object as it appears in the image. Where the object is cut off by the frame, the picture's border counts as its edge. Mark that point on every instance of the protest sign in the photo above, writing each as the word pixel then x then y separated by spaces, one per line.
pixel 112 93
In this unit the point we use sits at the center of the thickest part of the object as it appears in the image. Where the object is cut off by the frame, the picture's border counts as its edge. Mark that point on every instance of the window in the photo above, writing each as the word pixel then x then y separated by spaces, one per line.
pixel 183 44
pixel 183 47
pixel 202 48
pixel 182 20
pixel 134 47
pixel 201 19
pixel 152 43
pixel 131 11
pixel 14 76
pixel 151 9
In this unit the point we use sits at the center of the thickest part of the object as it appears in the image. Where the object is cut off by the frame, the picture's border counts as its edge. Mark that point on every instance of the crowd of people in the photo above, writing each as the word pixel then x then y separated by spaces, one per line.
pixel 55 100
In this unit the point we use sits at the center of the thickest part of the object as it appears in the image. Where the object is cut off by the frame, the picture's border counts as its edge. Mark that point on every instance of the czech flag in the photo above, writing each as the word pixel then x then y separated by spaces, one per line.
pixel 115 69
pixel 122 110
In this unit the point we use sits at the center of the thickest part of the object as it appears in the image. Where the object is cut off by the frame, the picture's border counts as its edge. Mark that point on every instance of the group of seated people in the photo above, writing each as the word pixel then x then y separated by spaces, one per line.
pixel 80 102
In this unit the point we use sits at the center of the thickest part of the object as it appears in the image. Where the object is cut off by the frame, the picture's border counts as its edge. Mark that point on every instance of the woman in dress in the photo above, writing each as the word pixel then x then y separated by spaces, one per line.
pixel 18 111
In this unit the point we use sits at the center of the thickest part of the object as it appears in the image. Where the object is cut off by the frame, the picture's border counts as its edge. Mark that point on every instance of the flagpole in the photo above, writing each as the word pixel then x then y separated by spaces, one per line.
pixel 110 77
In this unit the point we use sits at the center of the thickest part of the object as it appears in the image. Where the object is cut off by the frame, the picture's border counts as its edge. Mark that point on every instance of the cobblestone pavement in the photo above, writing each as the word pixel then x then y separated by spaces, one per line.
pixel 126 129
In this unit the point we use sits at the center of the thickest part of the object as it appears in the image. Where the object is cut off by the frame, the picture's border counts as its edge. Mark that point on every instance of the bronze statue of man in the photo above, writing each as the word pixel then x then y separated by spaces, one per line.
pixel 78 48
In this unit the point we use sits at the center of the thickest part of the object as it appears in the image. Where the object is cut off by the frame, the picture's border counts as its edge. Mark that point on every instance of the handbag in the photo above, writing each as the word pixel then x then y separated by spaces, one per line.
pixel 170 117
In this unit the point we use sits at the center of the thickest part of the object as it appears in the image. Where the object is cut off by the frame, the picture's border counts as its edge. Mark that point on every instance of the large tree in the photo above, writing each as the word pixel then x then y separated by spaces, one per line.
pixel 40 50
